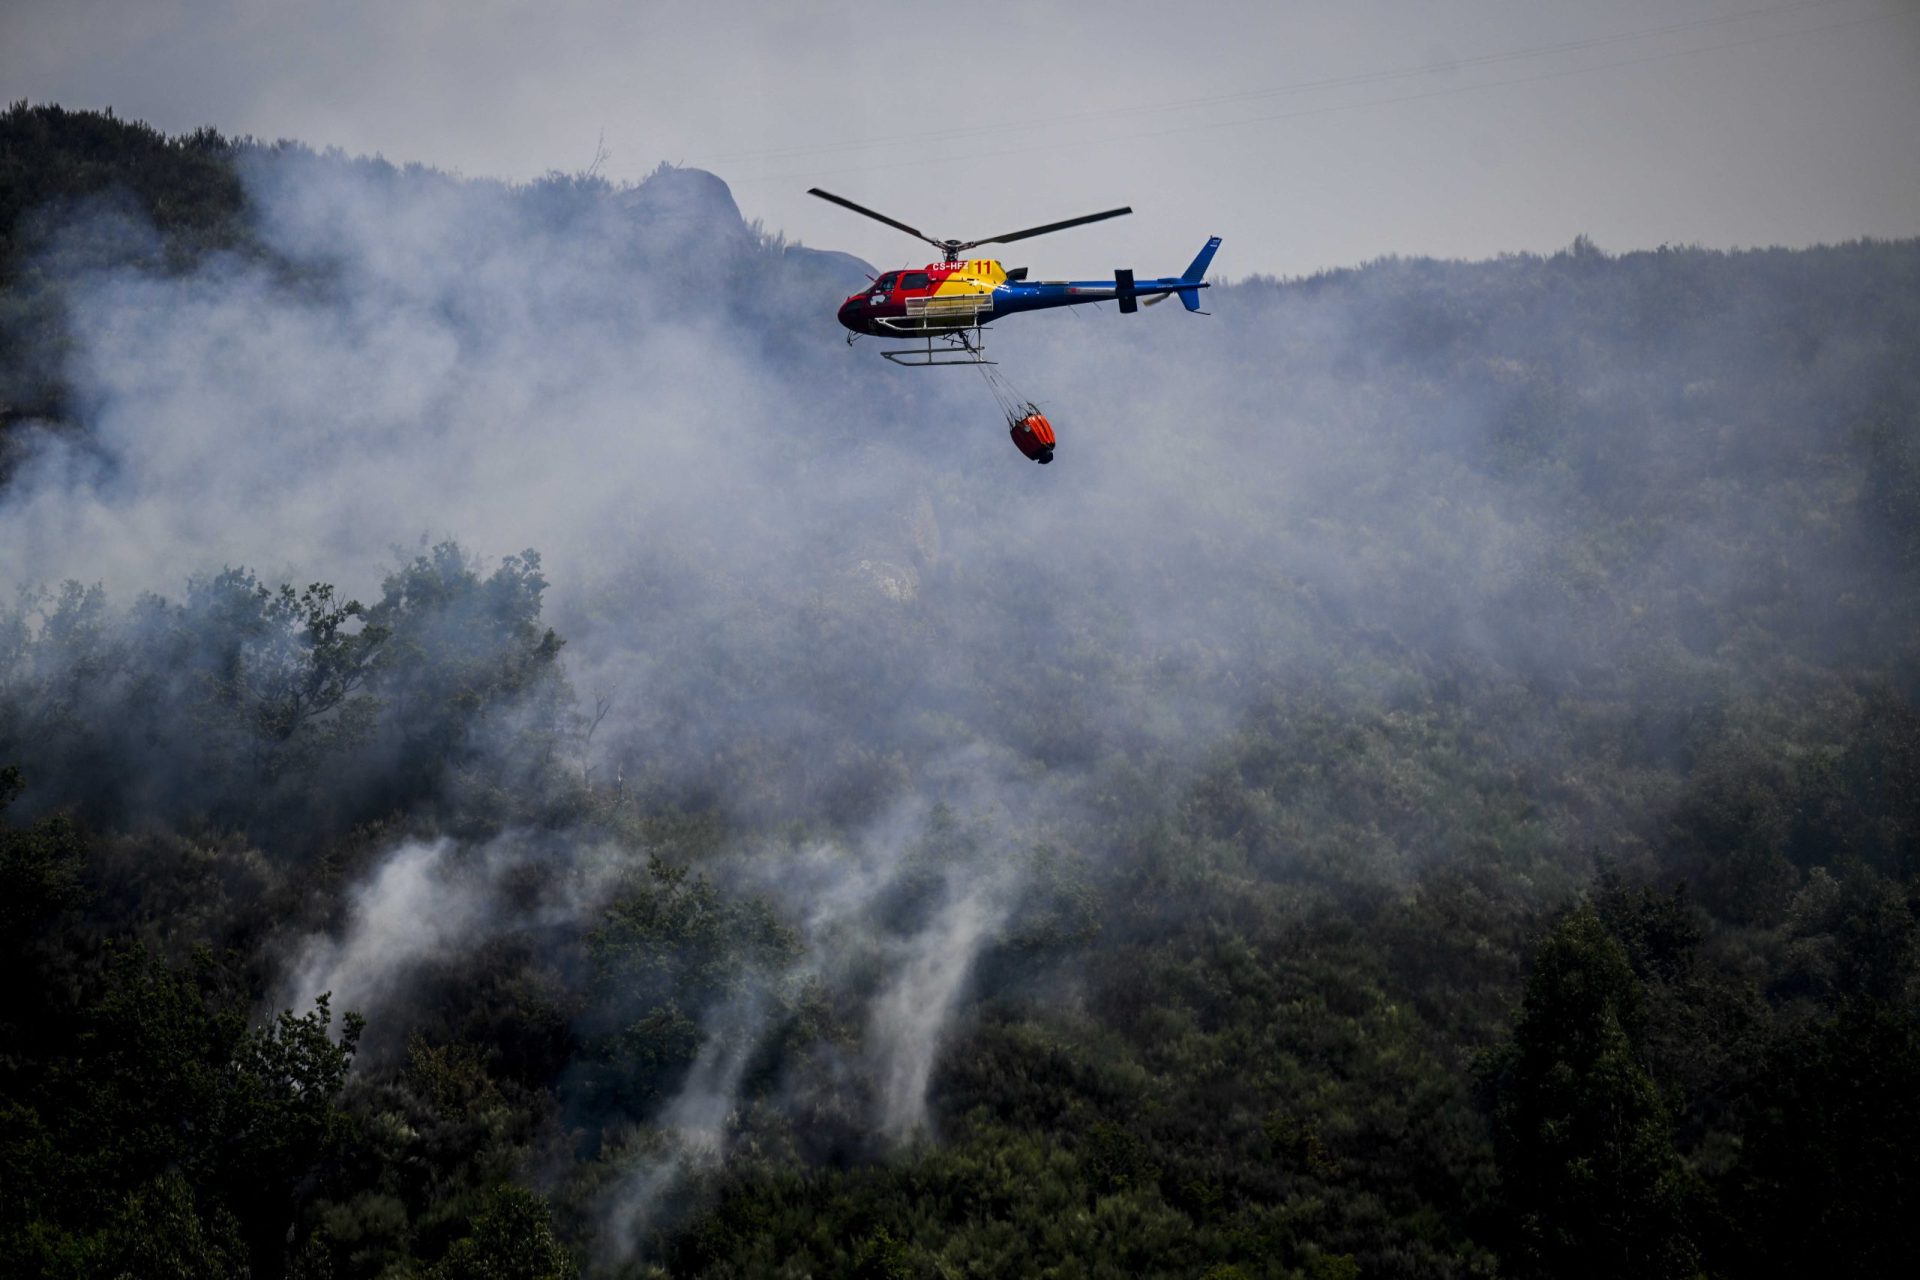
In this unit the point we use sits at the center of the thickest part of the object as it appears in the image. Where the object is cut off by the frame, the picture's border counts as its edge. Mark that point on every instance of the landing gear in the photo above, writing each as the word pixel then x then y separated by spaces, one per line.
pixel 955 348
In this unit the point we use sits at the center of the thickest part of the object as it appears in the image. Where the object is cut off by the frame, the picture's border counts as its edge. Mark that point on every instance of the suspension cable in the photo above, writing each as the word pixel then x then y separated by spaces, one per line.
pixel 1009 400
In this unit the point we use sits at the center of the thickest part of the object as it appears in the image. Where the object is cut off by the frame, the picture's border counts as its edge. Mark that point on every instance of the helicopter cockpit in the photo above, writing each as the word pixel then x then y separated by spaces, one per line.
pixel 907 281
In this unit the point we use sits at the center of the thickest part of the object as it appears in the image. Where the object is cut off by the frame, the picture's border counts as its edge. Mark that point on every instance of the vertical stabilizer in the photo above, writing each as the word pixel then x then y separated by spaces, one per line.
pixel 1198 270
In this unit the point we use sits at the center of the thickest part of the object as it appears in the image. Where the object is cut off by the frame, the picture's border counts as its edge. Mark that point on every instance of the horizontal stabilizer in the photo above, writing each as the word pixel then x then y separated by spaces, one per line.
pixel 1123 290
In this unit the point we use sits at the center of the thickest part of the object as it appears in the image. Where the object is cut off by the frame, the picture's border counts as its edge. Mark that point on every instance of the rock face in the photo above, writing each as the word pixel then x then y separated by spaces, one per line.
pixel 841 272
pixel 687 210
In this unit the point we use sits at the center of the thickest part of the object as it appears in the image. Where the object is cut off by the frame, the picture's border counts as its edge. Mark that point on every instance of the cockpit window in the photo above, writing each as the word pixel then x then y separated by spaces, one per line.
pixel 914 280
pixel 885 282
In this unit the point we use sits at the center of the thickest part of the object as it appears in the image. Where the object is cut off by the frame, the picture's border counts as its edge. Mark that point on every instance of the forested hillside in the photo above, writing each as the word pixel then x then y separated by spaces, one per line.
pixel 525 756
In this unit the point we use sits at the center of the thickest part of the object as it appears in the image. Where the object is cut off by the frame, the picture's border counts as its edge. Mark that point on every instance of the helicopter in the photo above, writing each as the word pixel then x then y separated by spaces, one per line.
pixel 953 300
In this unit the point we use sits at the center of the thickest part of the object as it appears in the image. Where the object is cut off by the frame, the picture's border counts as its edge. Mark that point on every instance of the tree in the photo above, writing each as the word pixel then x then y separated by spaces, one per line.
pixel 160 1234
pixel 1825 1183
pixel 512 1239
pixel 463 650
pixel 161 1131
pixel 39 875
pixel 668 948
pixel 278 1119
pixel 1582 1136
pixel 284 667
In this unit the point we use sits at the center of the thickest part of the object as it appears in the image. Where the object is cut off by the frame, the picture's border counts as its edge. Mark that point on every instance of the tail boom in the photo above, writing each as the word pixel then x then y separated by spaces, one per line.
pixel 1020 294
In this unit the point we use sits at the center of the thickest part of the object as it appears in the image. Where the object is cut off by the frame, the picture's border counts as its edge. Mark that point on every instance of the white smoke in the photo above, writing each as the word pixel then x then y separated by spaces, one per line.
pixel 840 893
pixel 692 1127
pixel 407 912
pixel 820 587
pixel 911 1015
pixel 428 901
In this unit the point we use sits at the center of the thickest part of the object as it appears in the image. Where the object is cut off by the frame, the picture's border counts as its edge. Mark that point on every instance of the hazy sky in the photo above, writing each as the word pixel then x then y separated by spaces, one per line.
pixel 1308 134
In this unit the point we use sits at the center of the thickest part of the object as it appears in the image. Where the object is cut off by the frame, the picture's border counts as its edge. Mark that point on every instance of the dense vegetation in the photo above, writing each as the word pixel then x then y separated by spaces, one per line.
pixel 1493 851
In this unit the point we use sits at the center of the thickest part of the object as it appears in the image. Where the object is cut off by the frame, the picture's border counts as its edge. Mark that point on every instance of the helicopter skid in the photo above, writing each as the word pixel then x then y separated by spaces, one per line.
pixel 919 358
pixel 958 350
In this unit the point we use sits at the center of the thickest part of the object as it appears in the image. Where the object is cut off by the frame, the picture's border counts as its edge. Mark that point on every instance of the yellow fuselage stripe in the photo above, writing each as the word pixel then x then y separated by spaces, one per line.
pixel 978 275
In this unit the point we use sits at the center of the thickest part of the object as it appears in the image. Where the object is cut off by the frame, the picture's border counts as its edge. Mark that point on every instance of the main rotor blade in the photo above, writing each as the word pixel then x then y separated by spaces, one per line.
pixel 1041 231
pixel 845 203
